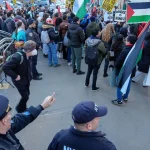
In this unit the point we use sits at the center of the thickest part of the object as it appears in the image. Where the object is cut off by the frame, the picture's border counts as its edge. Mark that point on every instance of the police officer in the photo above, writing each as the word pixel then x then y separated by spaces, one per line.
pixel 9 127
pixel 18 68
pixel 83 135
pixel 32 35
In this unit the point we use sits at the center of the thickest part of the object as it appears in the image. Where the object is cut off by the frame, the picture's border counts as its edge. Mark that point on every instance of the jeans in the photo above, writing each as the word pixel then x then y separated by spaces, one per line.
pixel 45 49
pixel 95 70
pixel 52 54
pixel 76 57
pixel 120 96
pixel 69 54
pixel 34 63
pixel 24 92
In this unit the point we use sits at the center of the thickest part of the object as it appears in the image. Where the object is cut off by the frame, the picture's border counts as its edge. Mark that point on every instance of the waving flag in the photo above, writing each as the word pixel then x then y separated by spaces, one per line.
pixel 138 12
pixel 8 6
pixel 79 8
pixel 131 60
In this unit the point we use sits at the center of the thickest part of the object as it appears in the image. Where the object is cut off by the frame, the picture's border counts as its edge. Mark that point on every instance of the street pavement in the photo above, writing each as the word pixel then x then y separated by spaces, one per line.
pixel 126 126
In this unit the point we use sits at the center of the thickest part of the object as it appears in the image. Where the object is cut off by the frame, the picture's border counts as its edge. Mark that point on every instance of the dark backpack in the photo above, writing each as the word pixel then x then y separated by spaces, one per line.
pixel 91 55
pixel 5 26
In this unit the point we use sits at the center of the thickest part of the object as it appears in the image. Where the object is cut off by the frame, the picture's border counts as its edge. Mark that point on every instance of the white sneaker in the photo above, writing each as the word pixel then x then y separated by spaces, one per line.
pixel 69 64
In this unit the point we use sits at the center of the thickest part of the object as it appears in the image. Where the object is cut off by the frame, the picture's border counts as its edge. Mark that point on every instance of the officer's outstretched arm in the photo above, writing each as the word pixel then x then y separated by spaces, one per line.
pixel 21 120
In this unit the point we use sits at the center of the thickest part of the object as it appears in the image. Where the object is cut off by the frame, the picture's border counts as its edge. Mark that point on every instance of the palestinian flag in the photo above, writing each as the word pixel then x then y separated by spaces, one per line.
pixel 138 12
pixel 131 61
pixel 79 8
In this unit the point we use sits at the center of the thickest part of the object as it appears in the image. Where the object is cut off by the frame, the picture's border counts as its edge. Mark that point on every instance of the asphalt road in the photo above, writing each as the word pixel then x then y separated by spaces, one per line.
pixel 126 126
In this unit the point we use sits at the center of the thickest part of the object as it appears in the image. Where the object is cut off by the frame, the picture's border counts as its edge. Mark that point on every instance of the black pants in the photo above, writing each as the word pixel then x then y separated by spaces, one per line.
pixel 95 72
pixel 34 63
pixel 24 92
pixel 64 50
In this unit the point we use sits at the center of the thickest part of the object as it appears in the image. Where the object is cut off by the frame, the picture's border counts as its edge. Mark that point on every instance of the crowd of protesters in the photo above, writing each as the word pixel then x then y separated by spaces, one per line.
pixel 64 35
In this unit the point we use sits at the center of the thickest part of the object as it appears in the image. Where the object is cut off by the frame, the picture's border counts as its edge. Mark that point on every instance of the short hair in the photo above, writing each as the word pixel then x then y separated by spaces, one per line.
pixel 9 14
pixel 75 19
pixel 131 38
pixel 64 17
pixel 94 32
pixel 56 14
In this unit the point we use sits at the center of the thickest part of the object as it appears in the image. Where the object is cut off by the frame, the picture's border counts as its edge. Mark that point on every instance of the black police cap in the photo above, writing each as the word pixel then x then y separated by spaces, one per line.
pixel 4 106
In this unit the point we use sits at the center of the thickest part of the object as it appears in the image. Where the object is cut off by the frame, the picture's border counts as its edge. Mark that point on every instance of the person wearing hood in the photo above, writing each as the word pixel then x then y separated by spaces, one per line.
pixel 50 45
pixel 144 63
pixel 94 41
pixel 91 27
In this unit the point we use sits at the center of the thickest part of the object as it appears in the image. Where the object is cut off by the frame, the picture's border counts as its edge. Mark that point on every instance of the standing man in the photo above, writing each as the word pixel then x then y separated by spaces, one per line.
pixel 9 127
pixel 32 35
pixel 83 135
pixel 76 37
pixel 18 68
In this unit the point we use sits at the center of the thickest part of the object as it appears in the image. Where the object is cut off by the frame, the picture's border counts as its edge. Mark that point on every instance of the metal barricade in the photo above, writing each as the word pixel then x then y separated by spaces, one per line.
pixel 7 48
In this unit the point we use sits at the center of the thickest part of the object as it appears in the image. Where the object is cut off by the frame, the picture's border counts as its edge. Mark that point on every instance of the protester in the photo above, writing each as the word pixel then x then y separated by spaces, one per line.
pixel 130 41
pixel 91 43
pixel 18 68
pixel 107 35
pixel 91 27
pixel 84 130
pixel 32 35
pixel 19 34
pixel 144 64
pixel 9 23
pixel 49 45
pixel 10 126
pixel 76 37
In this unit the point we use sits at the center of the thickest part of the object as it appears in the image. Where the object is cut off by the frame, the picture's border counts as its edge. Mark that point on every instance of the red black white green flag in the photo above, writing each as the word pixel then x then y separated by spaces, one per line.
pixel 131 61
pixel 138 12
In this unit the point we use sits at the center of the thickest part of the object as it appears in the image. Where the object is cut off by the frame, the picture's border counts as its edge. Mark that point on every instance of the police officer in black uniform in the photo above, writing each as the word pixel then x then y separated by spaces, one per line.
pixel 9 127
pixel 32 35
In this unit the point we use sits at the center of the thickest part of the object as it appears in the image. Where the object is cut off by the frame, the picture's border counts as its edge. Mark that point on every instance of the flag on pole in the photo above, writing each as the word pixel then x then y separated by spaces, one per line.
pixel 131 60
pixel 138 12
pixel 79 8
pixel 8 6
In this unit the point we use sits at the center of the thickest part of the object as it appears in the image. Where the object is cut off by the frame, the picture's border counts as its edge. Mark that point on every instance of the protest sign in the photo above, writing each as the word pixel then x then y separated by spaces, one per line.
pixel 109 5
pixel 108 16
pixel 120 15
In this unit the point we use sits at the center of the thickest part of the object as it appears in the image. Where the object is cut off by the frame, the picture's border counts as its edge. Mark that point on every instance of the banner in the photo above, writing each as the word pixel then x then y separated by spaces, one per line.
pixel 120 16
pixel 108 16
pixel 109 5
pixel 14 1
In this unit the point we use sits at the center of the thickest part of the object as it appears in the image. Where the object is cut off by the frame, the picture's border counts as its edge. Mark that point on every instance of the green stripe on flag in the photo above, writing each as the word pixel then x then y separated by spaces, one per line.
pixel 138 19
pixel 82 10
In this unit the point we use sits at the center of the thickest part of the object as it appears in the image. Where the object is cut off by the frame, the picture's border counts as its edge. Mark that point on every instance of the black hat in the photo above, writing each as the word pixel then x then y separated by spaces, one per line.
pixel 4 106
pixel 31 21
pixel 86 111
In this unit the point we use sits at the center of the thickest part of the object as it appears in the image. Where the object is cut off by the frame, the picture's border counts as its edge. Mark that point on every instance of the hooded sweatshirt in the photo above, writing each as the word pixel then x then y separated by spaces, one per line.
pixel 93 41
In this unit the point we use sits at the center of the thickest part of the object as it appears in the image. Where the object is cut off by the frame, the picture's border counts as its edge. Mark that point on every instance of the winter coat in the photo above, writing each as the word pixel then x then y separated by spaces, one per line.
pixel 51 32
pixel 144 63
pixel 92 26
pixel 23 20
pixel 21 35
pixel 75 35
pixel 63 29
pixel 93 41
pixel 120 61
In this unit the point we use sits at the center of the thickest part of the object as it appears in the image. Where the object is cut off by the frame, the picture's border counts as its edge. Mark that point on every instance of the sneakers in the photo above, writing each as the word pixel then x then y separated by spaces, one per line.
pixel 37 78
pixel 125 100
pixel 95 89
pixel 69 64
pixel 75 70
pixel 117 102
pixel 57 65
pixel 80 73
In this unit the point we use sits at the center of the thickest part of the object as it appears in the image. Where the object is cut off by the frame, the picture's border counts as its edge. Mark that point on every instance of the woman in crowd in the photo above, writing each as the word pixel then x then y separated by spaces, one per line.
pixel 106 36
pixel 19 34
